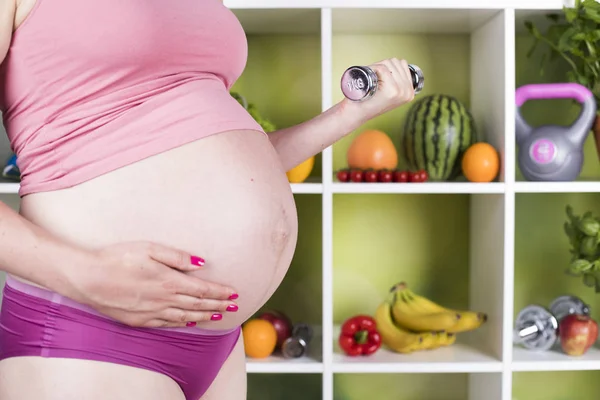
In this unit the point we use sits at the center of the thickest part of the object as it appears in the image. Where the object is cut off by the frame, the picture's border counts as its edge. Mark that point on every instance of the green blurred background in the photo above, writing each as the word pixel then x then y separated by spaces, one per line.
pixel 380 239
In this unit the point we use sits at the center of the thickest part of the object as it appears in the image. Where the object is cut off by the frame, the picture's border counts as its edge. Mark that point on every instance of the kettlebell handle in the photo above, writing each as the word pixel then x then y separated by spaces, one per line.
pixel 573 91
pixel 553 91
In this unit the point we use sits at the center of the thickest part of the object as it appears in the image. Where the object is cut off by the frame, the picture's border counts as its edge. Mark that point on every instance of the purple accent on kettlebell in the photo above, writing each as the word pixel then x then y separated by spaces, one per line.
pixel 543 151
pixel 552 91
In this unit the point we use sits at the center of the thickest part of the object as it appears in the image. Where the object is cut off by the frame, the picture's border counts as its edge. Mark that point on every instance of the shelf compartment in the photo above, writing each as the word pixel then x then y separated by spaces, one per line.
pixel 418 386
pixel 284 386
pixel 549 111
pixel 559 385
pixel 542 255
pixel 426 241
pixel 284 88
pixel 459 50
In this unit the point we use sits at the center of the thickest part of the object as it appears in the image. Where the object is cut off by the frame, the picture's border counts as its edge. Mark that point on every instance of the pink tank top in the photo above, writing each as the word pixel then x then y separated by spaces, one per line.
pixel 91 86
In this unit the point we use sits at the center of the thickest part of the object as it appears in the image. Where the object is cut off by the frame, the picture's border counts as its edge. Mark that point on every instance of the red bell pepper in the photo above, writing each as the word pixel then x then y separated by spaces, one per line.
pixel 359 336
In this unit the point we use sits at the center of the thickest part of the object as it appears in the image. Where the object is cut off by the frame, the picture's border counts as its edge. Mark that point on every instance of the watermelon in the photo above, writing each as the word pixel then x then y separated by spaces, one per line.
pixel 437 131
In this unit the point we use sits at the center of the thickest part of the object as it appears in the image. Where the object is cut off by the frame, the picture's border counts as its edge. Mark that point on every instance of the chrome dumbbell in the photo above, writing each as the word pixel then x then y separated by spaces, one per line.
pixel 536 327
pixel 297 344
pixel 360 83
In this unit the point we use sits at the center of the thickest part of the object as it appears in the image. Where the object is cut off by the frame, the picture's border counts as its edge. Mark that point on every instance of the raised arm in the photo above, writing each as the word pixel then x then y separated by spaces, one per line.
pixel 297 143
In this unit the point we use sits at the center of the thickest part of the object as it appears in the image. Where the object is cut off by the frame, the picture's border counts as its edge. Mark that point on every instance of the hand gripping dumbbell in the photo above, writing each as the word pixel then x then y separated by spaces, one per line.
pixel 360 83
pixel 536 327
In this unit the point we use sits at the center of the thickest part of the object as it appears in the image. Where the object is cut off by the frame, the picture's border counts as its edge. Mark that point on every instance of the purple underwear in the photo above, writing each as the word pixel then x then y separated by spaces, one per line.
pixel 36 322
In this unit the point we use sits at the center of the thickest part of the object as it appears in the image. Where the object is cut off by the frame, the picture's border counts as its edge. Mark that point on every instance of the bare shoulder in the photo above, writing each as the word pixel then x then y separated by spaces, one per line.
pixel 8 9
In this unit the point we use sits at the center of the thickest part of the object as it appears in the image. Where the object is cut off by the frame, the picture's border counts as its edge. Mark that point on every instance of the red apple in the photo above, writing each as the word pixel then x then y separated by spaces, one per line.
pixel 282 323
pixel 577 334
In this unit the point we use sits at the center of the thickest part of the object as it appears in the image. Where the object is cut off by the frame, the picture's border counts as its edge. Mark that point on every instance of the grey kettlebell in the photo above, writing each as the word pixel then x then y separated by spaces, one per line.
pixel 552 152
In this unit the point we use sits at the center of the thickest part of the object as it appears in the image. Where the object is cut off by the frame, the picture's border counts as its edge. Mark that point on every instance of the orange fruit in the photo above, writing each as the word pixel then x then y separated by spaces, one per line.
pixel 372 149
pixel 260 338
pixel 481 163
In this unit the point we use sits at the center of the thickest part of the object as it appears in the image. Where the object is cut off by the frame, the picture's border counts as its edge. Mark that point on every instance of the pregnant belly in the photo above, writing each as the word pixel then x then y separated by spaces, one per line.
pixel 225 198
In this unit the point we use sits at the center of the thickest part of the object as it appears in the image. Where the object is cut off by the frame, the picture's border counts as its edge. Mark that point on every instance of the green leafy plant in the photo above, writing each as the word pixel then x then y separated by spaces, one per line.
pixel 573 37
pixel 583 233
pixel 265 123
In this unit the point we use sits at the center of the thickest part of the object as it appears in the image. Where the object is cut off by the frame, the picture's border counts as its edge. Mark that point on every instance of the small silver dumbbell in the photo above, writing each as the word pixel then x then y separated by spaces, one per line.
pixel 536 327
pixel 360 83
pixel 297 344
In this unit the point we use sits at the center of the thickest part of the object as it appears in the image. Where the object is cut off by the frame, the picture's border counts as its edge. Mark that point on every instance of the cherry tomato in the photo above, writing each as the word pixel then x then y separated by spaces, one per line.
pixel 370 175
pixel 356 175
pixel 343 175
pixel 400 176
pixel 385 175
pixel 414 176
pixel 423 176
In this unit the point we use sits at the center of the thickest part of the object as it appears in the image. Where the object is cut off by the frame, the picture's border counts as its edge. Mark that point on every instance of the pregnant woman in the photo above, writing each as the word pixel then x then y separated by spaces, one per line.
pixel 156 216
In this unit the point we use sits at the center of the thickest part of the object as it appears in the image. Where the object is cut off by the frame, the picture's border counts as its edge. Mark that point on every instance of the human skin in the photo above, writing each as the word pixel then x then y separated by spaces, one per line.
pixel 232 204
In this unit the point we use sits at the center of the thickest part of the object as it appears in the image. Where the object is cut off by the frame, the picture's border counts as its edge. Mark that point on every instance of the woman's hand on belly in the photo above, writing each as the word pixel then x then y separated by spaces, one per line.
pixel 145 284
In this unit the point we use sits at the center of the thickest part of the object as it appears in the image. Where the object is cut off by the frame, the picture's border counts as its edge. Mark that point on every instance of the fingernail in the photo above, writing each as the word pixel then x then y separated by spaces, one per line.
pixel 190 324
pixel 195 260
pixel 216 317
pixel 232 307
pixel 233 296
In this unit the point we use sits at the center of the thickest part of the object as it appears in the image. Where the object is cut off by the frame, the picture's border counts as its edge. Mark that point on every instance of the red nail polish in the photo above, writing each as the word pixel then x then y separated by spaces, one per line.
pixel 233 296
pixel 190 324
pixel 195 260
pixel 232 307
pixel 216 317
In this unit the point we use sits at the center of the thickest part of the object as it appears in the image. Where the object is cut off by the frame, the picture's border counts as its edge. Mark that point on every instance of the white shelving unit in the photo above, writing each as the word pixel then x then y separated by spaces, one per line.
pixel 488 355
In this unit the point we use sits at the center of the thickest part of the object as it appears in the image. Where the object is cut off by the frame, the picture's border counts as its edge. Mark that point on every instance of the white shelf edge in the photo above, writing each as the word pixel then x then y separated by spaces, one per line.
pixel 557 187
pixel 407 4
pixel 9 188
pixel 327 383
pixel 536 366
pixel 508 283
pixel 307 188
pixel 418 188
pixel 253 367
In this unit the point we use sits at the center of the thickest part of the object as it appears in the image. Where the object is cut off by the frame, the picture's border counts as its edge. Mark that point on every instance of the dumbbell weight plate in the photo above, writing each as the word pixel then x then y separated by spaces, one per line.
pixel 359 83
pixel 535 328
pixel 565 305
pixel 418 78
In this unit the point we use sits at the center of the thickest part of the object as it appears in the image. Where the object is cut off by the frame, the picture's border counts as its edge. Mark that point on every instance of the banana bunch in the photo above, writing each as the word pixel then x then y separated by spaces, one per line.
pixel 408 322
